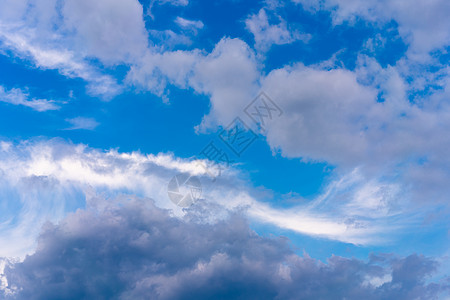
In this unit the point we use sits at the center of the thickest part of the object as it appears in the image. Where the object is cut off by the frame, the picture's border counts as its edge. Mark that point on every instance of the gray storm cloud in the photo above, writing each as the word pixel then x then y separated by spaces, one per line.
pixel 127 248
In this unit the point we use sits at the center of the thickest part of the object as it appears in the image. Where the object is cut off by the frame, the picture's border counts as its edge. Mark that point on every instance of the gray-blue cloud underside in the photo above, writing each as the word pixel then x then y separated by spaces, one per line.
pixel 127 248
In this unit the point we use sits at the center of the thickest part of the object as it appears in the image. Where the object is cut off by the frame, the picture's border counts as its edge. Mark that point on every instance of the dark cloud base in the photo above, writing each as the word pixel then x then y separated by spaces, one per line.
pixel 130 249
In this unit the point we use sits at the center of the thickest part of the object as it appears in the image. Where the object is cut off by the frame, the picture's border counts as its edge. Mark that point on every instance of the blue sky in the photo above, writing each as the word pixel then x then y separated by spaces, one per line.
pixel 102 103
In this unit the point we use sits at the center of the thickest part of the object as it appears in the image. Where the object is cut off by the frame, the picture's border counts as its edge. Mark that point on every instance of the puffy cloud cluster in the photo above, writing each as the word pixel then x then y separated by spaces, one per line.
pixel 126 248
pixel 67 35
pixel 228 75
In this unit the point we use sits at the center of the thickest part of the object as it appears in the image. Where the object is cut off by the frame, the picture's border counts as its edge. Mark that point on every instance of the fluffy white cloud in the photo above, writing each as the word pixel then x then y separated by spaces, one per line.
pixel 159 69
pixel 113 31
pixel 326 113
pixel 21 42
pixel 361 118
pixel 66 36
pixel 228 74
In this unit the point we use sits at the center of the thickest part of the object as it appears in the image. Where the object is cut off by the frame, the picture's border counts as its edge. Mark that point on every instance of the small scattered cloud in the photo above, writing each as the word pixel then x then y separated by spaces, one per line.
pixel 266 34
pixel 168 39
pixel 189 24
pixel 173 2
pixel 17 96
pixel 162 2
pixel 422 24
pixel 82 123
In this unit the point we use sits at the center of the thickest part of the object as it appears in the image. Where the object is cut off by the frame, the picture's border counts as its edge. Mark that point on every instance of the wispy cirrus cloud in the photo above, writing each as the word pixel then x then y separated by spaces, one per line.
pixel 17 96
pixel 51 178
pixel 82 123
pixel 185 23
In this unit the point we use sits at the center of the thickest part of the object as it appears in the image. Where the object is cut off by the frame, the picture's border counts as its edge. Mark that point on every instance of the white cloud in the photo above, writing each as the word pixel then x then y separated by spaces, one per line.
pixel 18 97
pixel 167 39
pixel 113 31
pixel 325 111
pixel 173 2
pixel 156 70
pixel 66 37
pixel 330 114
pixel 266 35
pixel 20 41
pixel 162 2
pixel 82 123
pixel 61 174
pixel 189 24
pixel 43 181
pixel 228 75
pixel 422 24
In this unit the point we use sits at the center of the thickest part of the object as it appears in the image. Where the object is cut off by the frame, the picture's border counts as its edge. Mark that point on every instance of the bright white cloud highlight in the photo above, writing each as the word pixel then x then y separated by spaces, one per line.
pixel 43 181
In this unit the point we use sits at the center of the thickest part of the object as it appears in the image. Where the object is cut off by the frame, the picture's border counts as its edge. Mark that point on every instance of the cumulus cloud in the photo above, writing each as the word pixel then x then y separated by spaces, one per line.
pixel 66 38
pixel 228 74
pixel 126 248
pixel 346 118
pixel 113 31
pixel 331 114
pixel 327 108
